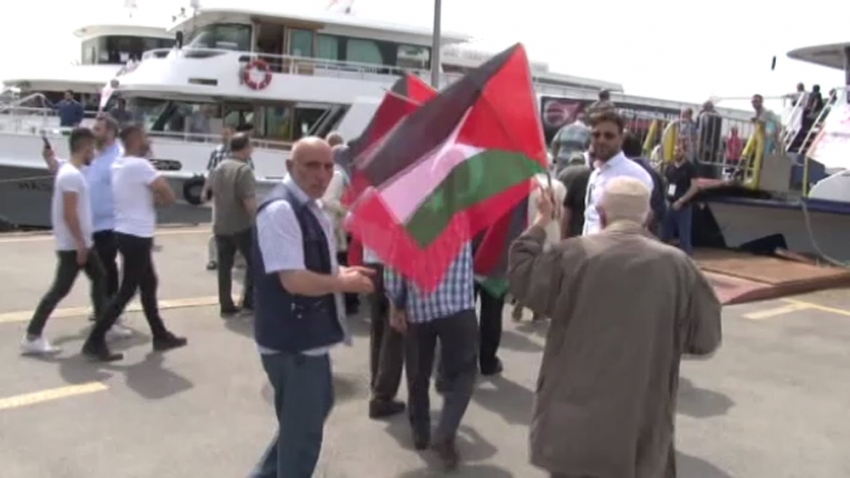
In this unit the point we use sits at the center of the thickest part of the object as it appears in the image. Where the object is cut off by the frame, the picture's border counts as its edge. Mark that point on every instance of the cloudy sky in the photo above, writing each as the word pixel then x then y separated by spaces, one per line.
pixel 657 48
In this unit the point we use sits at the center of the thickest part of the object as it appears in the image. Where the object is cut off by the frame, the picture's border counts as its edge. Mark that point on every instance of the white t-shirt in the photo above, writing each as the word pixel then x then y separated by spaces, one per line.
pixel 134 207
pixel 69 179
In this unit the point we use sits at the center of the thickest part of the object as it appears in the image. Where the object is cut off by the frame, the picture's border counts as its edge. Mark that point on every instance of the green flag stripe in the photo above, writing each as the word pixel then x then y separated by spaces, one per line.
pixel 478 178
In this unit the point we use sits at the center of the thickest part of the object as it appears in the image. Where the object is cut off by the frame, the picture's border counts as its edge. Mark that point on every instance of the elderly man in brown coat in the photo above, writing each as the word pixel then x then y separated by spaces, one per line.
pixel 624 308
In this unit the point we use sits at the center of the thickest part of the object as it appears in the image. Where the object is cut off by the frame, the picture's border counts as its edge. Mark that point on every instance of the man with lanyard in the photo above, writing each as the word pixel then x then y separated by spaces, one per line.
pixel 219 154
pixel 98 175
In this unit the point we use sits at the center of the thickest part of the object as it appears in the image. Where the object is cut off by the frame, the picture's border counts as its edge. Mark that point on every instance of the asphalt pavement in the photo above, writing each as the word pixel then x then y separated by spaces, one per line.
pixel 773 403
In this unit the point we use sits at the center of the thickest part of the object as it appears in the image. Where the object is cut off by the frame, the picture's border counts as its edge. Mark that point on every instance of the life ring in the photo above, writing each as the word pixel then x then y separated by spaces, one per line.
pixel 262 67
pixel 192 188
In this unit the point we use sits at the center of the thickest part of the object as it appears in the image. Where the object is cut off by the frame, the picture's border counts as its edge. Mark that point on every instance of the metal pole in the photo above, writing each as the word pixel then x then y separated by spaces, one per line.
pixel 847 74
pixel 435 45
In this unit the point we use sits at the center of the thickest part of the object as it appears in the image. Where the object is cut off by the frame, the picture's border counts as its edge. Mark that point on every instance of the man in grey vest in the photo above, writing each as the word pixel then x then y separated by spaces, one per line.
pixel 299 315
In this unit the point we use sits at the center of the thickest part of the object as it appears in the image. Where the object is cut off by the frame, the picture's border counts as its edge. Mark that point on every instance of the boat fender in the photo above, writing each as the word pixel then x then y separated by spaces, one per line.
pixel 192 189
pixel 260 66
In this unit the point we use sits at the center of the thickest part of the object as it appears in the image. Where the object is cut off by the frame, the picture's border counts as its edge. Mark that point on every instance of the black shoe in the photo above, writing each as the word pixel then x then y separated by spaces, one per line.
pixel 446 450
pixel 421 439
pixel 493 369
pixel 229 312
pixel 384 408
pixel 212 265
pixel 100 353
pixel 440 386
pixel 168 341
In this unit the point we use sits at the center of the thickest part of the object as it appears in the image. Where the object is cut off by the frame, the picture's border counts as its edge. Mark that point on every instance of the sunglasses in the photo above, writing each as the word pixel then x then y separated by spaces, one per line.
pixel 606 135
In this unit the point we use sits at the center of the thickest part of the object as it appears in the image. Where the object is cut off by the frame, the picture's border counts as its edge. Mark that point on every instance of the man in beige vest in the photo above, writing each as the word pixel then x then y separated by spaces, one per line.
pixel 624 308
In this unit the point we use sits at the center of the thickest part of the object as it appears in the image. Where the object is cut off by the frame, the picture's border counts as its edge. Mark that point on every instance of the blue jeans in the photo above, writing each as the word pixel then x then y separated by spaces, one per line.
pixel 679 223
pixel 303 398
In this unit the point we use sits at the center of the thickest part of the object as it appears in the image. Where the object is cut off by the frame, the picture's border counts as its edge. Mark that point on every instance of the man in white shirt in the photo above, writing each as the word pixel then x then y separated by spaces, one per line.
pixel 137 185
pixel 299 315
pixel 71 219
pixel 609 162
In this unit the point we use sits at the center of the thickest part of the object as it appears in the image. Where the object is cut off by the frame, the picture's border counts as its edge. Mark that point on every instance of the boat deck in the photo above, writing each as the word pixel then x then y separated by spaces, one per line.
pixel 738 277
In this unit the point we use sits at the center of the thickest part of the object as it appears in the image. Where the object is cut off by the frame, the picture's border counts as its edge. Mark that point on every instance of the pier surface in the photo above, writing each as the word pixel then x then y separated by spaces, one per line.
pixel 773 402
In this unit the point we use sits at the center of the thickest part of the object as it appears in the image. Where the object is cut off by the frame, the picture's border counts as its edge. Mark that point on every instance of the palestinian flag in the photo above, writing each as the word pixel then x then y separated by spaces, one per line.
pixel 491 252
pixel 450 169
pixel 406 94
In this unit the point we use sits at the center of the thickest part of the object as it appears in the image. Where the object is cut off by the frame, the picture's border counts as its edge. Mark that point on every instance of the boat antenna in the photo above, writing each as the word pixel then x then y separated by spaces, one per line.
pixel 130 5
pixel 773 63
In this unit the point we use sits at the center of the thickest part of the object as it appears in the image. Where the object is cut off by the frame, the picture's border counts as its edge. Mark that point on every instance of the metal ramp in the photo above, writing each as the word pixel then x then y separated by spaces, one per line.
pixel 739 277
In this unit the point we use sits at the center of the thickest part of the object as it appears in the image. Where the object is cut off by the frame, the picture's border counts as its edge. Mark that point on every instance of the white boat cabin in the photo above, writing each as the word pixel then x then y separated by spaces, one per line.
pixel 288 75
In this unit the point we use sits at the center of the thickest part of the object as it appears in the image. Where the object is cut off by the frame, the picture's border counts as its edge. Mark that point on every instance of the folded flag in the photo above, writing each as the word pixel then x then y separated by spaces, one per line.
pixel 450 169
pixel 491 253
pixel 406 94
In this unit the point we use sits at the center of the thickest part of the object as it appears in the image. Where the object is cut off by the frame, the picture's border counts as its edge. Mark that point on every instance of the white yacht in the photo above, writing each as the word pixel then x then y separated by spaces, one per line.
pixel 288 73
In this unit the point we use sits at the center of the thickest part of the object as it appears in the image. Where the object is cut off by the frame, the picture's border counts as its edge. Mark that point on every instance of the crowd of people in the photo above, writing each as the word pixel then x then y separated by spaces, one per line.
pixel 623 307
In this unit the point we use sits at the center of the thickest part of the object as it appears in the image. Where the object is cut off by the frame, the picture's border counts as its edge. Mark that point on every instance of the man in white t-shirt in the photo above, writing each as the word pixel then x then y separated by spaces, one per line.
pixel 137 186
pixel 71 219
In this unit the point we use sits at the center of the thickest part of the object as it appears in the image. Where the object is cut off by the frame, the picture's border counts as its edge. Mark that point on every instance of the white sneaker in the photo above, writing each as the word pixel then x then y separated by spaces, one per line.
pixel 118 332
pixel 38 346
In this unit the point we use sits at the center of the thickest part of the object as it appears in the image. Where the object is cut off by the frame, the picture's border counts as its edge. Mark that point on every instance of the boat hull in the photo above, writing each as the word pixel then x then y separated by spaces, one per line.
pixel 24 146
pixel 742 221
pixel 26 192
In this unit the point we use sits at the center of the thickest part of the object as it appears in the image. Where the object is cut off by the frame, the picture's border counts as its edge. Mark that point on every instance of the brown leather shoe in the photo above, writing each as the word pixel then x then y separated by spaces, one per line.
pixel 446 451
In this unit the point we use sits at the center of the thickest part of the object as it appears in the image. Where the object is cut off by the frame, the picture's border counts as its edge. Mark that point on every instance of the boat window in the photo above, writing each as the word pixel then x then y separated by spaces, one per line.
pixel 237 114
pixel 363 51
pixel 414 56
pixel 328 47
pixel 300 43
pixel 89 56
pixel 116 50
pixel 276 123
pixel 223 36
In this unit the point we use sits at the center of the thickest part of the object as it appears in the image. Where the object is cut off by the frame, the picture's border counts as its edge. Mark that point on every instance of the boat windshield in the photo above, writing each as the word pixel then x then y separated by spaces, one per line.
pixel 222 36
pixel 146 111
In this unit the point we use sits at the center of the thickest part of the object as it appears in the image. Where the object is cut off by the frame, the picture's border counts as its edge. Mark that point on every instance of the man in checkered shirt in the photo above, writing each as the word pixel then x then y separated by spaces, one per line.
pixel 447 314
pixel 219 154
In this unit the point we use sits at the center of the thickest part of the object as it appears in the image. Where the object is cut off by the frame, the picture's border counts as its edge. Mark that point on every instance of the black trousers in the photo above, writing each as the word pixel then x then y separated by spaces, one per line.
pixel 386 345
pixel 458 356
pixel 67 270
pixel 352 301
pixel 139 275
pixel 107 249
pixel 489 328
pixel 227 245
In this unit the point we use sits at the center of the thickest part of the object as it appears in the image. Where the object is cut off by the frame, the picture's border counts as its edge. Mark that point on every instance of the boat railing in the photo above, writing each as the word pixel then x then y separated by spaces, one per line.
pixel 319 67
pixel 722 147
pixel 817 122
pixel 36 121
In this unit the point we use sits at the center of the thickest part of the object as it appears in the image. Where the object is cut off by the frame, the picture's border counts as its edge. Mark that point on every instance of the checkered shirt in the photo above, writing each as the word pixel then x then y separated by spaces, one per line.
pixel 219 154
pixel 454 294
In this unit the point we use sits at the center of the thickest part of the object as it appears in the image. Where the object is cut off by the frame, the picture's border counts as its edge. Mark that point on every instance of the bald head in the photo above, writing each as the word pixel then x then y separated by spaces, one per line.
pixel 335 139
pixel 625 199
pixel 311 165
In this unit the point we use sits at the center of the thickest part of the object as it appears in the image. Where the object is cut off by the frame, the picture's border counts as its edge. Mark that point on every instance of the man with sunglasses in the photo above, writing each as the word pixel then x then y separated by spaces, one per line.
pixel 607 131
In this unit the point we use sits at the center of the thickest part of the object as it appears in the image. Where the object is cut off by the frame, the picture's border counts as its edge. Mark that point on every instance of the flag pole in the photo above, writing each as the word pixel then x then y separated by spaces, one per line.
pixel 435 45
